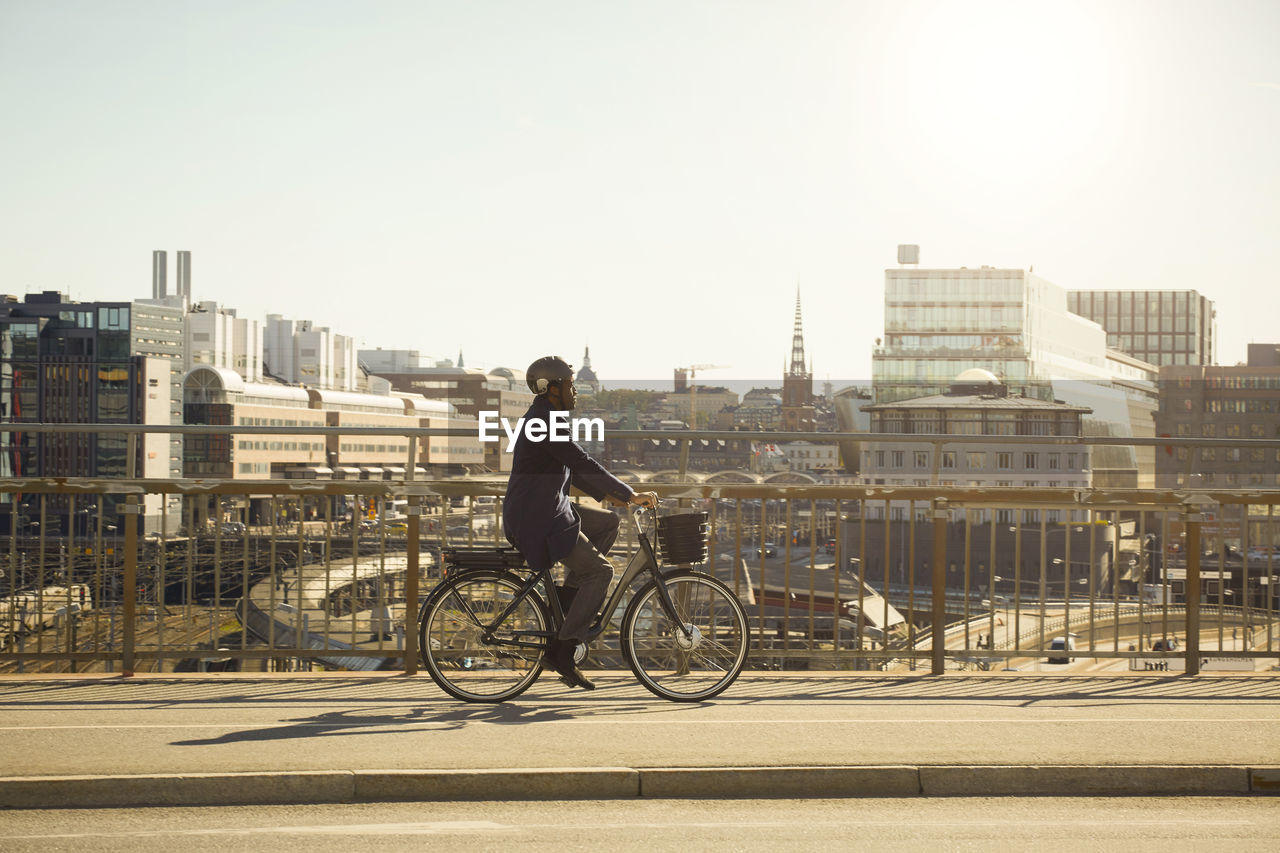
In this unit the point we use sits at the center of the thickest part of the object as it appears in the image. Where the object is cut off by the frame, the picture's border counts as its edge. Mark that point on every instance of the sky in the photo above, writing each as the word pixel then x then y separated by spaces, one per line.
pixel 653 179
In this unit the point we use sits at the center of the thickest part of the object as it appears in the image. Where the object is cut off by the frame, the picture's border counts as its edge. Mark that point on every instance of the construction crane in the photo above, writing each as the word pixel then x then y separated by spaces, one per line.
pixel 692 372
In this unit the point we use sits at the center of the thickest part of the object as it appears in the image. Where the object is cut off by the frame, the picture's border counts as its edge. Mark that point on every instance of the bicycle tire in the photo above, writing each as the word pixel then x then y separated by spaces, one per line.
pixel 453 651
pixel 679 669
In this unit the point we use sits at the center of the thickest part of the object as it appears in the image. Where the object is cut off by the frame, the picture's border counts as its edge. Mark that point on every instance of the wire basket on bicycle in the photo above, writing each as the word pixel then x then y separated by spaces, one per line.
pixel 682 539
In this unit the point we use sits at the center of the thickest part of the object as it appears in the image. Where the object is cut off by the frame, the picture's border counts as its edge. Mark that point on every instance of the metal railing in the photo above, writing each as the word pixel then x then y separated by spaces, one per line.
pixel 297 574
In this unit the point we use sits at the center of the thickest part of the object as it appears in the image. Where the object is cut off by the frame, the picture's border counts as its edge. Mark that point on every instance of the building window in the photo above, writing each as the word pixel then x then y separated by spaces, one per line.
pixel 976 461
pixel 1055 461
pixel 922 459
pixel 1233 454
pixel 948 459
pixel 1208 454
pixel 1208 430
pixel 1233 430
pixel 899 458
pixel 1004 461
pixel 1032 461
pixel 879 458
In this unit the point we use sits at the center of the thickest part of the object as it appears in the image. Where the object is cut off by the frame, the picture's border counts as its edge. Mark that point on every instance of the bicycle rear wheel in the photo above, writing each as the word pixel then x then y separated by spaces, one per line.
pixel 452 637
pixel 686 666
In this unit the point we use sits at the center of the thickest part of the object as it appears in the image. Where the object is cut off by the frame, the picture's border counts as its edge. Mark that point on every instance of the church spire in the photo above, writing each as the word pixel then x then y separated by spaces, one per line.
pixel 797 384
pixel 797 343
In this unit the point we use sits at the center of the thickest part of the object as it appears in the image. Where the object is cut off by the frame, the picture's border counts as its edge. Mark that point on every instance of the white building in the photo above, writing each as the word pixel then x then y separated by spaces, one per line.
pixel 810 457
pixel 296 351
pixel 940 322
pixel 218 338
pixel 978 406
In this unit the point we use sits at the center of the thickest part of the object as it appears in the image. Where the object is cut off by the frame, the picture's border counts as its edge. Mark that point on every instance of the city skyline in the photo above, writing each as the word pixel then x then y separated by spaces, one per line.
pixel 513 179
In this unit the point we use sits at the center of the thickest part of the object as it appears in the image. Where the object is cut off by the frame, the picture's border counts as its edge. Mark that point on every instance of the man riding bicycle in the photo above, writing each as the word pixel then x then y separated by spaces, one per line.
pixel 546 527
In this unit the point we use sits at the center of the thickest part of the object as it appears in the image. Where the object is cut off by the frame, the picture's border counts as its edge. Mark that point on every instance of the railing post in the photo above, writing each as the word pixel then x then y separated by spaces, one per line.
pixel 1192 593
pixel 130 522
pixel 414 511
pixel 938 639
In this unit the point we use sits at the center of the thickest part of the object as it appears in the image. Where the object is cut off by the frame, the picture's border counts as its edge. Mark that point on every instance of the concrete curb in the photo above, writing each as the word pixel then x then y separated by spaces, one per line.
pixel 592 783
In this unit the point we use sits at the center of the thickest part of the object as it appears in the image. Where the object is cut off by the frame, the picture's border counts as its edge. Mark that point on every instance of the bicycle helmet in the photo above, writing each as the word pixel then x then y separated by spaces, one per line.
pixel 546 370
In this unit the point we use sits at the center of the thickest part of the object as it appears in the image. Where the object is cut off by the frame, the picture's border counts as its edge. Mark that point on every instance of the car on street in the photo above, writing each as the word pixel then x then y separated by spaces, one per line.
pixel 1061 644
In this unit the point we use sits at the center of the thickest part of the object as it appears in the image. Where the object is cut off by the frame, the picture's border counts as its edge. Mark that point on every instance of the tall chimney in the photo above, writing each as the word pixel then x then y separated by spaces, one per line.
pixel 183 274
pixel 159 270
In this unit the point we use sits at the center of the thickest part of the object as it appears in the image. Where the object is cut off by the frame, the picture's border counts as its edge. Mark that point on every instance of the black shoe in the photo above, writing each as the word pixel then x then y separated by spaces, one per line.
pixel 562 662
pixel 549 653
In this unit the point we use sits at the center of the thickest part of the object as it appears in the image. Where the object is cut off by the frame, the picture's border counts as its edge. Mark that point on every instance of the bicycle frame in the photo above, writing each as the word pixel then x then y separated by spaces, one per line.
pixel 643 558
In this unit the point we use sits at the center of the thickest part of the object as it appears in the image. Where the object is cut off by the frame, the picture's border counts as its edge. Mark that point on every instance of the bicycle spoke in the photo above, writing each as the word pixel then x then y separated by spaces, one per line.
pixel 455 650
pixel 695 656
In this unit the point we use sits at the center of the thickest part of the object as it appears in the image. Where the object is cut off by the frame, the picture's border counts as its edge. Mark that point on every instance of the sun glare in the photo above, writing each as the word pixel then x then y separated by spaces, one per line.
pixel 1007 88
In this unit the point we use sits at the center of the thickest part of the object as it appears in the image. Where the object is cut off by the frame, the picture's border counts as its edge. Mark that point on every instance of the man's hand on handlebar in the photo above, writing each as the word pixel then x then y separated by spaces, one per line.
pixel 645 499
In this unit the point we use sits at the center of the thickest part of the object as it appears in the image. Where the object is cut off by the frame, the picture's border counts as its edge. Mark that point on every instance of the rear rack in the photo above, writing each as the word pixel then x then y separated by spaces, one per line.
pixel 483 558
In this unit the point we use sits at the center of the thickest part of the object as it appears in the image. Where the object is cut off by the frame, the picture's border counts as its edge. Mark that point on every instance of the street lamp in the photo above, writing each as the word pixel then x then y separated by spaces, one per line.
pixel 1058 561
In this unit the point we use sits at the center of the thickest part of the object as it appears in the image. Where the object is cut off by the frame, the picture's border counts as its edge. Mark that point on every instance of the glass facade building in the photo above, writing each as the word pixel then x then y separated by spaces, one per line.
pixel 70 362
pixel 941 322
pixel 1163 327
pixel 1018 326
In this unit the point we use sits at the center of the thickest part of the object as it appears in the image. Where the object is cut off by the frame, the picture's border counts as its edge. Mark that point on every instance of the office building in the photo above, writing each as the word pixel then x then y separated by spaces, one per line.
pixel 218 338
pixel 1233 406
pixel 1221 402
pixel 301 353
pixel 218 395
pixel 1015 324
pixel 94 362
pixel 977 404
pixel 469 390
pixel 1158 326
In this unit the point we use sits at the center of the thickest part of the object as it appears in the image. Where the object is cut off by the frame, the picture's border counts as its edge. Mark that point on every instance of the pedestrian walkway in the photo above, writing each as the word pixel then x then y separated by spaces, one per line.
pixel 92 741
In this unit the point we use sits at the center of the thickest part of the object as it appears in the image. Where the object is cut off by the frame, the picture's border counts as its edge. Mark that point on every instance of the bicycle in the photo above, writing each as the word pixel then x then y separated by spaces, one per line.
pixel 484 629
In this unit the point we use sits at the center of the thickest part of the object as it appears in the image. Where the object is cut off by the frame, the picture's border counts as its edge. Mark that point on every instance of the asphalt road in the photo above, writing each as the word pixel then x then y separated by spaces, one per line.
pixel 207 725
pixel 1123 824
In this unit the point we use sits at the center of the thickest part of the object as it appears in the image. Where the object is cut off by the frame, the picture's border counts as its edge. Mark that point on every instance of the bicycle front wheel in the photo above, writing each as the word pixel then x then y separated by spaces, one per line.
pixel 467 661
pixel 698 662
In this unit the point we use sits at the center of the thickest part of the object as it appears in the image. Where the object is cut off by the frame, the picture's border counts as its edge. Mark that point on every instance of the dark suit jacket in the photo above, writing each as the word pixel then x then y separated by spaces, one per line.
pixel 537 515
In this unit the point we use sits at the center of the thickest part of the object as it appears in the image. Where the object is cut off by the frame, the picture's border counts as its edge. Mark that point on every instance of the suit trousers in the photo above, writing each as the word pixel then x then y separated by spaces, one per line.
pixel 588 570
